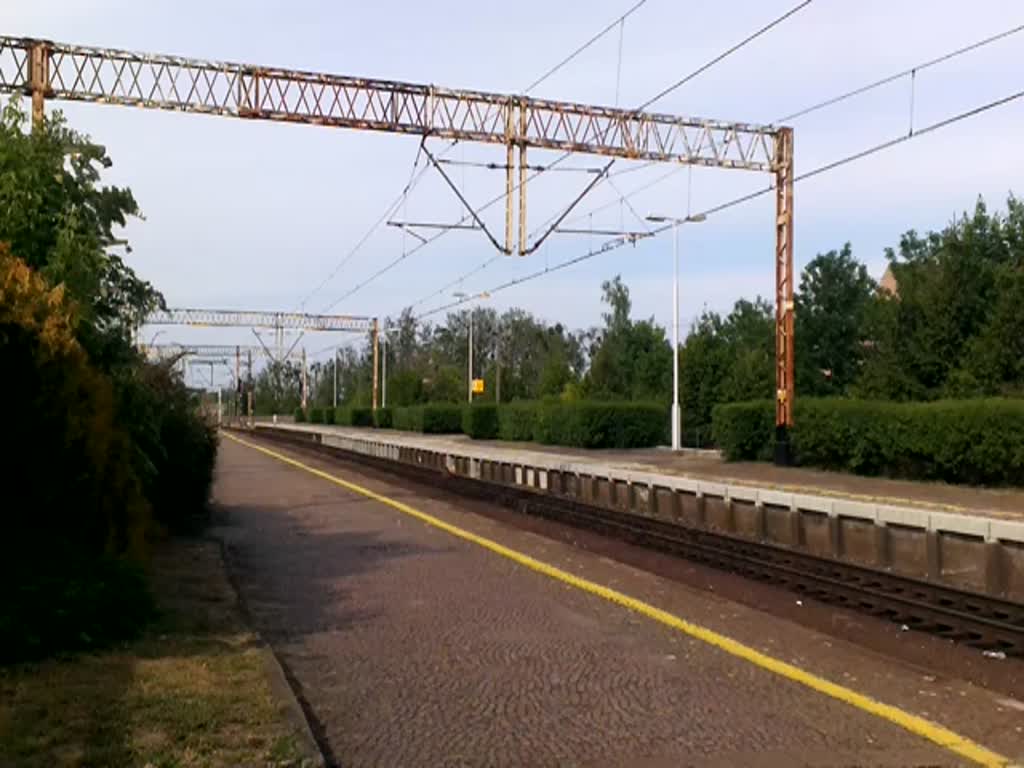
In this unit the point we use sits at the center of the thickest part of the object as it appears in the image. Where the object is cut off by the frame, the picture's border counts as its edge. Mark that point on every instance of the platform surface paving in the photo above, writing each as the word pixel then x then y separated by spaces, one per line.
pixel 409 646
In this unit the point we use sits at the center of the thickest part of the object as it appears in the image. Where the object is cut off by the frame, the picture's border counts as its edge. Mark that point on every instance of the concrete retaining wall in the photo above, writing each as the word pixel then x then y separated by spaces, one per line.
pixel 978 554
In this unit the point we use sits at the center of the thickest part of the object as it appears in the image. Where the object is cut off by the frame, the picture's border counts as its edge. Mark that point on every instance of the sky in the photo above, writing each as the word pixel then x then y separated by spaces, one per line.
pixel 250 215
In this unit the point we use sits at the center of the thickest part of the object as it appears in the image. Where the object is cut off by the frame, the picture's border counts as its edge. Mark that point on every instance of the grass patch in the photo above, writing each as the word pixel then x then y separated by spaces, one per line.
pixel 192 691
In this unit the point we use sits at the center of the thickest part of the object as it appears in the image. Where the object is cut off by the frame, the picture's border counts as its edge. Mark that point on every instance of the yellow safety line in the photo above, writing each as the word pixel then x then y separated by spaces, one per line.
pixel 944 737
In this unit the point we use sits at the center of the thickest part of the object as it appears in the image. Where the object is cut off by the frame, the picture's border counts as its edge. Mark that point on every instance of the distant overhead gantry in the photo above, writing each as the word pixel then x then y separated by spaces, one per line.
pixel 239 318
pixel 278 321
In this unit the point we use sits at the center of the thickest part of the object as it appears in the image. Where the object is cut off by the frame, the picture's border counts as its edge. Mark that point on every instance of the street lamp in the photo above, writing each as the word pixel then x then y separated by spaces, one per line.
pixel 463 297
pixel 676 415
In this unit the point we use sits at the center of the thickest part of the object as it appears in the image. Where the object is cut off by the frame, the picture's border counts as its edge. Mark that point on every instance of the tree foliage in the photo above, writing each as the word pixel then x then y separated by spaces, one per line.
pixel 111 449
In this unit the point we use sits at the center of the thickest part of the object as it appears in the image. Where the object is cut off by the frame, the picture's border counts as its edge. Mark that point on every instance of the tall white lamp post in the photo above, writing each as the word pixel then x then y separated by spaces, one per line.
pixel 676 413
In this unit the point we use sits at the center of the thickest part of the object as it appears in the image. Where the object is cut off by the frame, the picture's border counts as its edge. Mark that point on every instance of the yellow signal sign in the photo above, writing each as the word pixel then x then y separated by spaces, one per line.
pixel 478 386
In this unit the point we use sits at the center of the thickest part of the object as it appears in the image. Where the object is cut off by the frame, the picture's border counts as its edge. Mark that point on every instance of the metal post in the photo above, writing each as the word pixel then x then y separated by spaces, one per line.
pixel 384 372
pixel 522 181
pixel 509 159
pixel 376 342
pixel 304 379
pixel 675 339
pixel 497 367
pixel 238 384
pixel 39 78
pixel 219 411
pixel 249 392
pixel 784 306
pixel 471 355
pixel 335 366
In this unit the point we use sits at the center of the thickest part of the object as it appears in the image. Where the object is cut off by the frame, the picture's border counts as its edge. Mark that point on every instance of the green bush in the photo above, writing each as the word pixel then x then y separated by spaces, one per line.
pixel 343 416
pixel 594 424
pixel 362 417
pixel 300 416
pixel 744 431
pixel 517 421
pixel 329 414
pixel 961 441
pixel 383 418
pixel 435 418
pixel 480 421
pixel 316 415
pixel 442 418
pixel 409 418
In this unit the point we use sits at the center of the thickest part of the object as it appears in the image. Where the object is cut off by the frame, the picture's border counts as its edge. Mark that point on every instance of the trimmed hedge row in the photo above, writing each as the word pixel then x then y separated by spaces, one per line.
pixel 383 418
pixel 579 424
pixel 517 421
pixel 586 424
pixel 480 421
pixel 601 425
pixel 961 441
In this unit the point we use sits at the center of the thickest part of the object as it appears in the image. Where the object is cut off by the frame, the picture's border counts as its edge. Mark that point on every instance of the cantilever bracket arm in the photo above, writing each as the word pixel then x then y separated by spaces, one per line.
pixel 259 338
pixel 593 183
pixel 462 199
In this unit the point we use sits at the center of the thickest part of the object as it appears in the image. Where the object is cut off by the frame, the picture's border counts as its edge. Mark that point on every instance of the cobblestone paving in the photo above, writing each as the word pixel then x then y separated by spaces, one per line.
pixel 412 648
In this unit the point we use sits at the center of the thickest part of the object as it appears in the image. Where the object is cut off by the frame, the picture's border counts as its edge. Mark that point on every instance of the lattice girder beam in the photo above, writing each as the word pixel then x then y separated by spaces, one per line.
pixel 258 319
pixel 110 76
pixel 163 351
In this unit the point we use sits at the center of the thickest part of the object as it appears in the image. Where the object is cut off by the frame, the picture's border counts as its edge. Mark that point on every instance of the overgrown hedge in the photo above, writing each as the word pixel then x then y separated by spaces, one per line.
pixel 316 415
pixel 300 416
pixel 961 441
pixel 480 421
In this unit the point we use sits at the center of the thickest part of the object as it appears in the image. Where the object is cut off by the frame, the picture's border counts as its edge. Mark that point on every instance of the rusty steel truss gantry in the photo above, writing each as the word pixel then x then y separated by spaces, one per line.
pixel 47 70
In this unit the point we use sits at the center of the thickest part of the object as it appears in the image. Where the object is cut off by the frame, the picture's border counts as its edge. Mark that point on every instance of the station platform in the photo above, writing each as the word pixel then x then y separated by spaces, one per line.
pixel 971 539
pixel 417 629
pixel 708 465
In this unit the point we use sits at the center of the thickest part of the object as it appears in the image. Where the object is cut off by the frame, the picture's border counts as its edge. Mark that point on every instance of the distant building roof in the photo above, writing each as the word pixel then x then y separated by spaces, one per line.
pixel 888 283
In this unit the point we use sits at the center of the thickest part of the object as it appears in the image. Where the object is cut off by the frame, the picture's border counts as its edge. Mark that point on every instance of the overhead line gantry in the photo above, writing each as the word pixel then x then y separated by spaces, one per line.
pixel 45 69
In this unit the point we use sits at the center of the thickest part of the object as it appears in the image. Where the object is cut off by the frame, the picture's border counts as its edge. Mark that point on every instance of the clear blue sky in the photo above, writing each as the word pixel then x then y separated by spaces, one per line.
pixel 249 215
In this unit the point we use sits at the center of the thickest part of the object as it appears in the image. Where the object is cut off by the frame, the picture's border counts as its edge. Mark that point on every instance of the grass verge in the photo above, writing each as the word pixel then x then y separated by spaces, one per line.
pixel 193 690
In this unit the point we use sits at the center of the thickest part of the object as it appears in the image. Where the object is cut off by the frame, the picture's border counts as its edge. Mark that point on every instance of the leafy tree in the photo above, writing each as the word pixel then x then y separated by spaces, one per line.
pixel 831 306
pixel 60 220
pixel 630 361
pixel 923 341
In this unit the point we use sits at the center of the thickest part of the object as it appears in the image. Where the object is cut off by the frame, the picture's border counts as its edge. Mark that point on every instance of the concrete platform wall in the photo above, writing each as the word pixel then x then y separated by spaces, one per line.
pixel 977 554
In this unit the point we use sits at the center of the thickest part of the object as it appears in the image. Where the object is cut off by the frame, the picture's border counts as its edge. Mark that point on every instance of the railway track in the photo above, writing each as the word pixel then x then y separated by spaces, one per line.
pixel 965 617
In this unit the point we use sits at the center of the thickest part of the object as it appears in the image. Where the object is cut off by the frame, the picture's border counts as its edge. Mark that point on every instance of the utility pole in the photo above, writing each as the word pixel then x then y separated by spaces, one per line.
pixel 384 371
pixel 335 366
pixel 376 342
pixel 304 378
pixel 249 392
pixel 497 367
pixel 470 355
pixel 238 384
